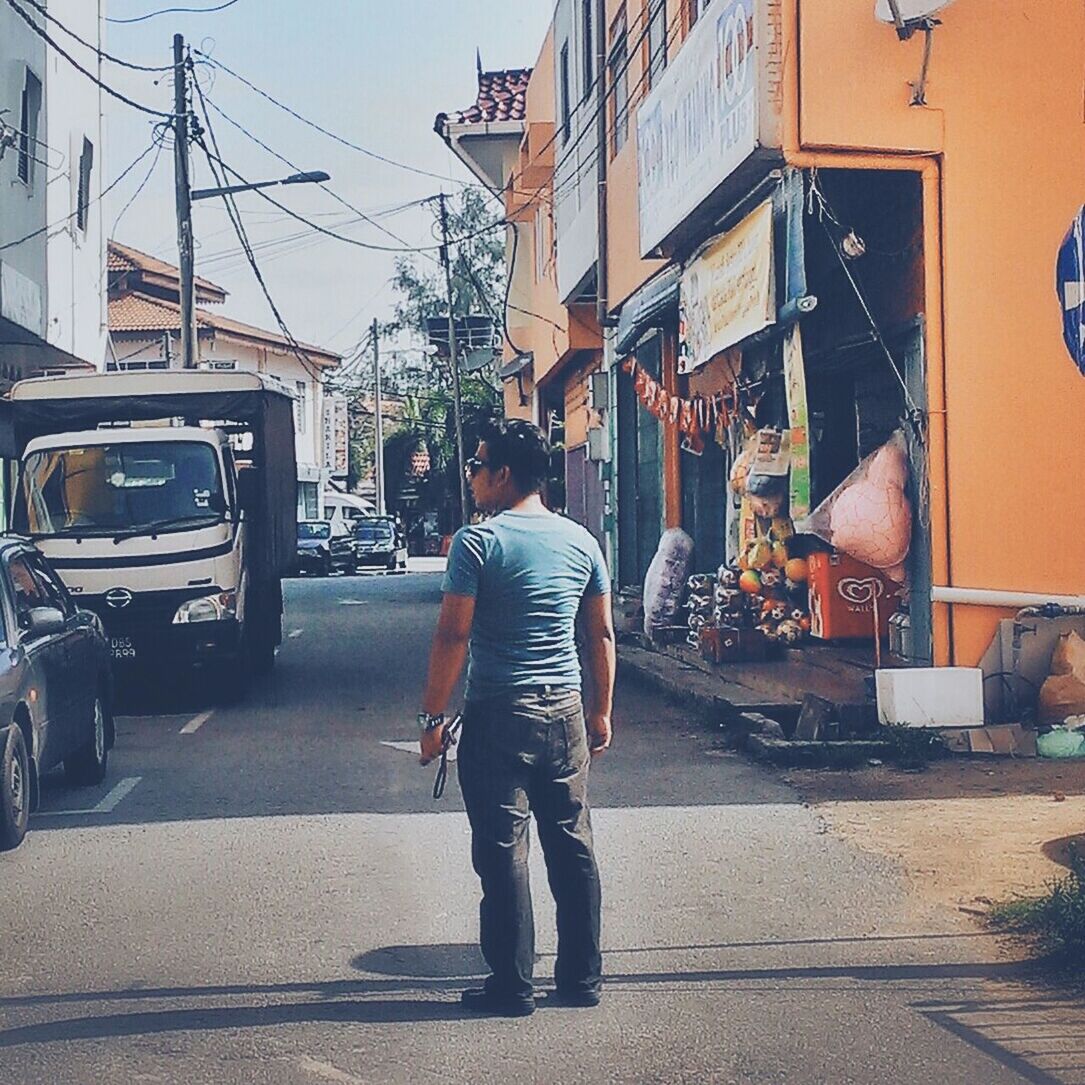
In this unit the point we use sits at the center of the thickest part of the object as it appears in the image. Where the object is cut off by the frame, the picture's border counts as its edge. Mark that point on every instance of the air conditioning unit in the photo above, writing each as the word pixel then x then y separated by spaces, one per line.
pixel 219 366
pixel 599 444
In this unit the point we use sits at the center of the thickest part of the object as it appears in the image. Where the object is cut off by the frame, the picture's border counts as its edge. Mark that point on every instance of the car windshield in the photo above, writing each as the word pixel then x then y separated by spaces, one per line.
pixel 373 531
pixel 314 531
pixel 126 487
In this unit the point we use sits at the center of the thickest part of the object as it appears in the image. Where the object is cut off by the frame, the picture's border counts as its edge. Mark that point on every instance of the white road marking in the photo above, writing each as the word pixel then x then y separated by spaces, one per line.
pixel 295 633
pixel 197 722
pixel 353 602
pixel 412 747
pixel 327 1072
pixel 120 792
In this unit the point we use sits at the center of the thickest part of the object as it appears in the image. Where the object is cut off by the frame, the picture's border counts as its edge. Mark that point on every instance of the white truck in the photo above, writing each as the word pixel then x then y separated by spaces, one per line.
pixel 167 502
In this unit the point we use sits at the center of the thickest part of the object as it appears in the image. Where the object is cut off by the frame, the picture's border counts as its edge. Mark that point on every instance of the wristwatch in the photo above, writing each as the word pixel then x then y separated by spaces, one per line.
pixel 426 722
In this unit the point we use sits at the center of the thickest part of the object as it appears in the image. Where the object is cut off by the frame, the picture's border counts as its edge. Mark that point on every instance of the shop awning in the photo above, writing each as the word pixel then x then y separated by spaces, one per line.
pixel 649 307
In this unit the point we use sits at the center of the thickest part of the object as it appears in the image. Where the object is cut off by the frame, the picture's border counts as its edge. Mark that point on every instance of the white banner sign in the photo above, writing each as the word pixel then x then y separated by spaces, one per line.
pixel 336 435
pixel 701 122
pixel 728 291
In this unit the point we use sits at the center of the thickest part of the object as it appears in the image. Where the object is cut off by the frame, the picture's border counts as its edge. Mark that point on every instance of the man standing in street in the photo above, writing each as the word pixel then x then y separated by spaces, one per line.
pixel 515 588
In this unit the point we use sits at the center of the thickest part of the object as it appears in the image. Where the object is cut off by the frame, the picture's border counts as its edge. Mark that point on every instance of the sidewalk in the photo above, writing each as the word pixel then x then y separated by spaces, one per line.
pixel 966 832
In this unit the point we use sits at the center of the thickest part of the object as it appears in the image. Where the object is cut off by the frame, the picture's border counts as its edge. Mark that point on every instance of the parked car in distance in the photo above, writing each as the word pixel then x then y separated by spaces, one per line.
pixel 380 543
pixel 56 687
pixel 321 552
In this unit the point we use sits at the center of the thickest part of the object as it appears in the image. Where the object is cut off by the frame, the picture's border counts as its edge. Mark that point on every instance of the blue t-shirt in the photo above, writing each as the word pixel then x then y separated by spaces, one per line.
pixel 527 572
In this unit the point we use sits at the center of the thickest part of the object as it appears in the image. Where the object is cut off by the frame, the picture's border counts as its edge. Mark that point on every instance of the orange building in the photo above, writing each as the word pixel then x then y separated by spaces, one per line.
pixel 736 192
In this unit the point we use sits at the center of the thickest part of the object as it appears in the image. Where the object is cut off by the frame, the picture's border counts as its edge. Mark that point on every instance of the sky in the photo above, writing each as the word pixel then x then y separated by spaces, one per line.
pixel 376 72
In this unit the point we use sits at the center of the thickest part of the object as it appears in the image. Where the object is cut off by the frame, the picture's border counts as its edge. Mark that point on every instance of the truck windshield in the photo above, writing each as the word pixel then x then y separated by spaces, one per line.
pixel 106 489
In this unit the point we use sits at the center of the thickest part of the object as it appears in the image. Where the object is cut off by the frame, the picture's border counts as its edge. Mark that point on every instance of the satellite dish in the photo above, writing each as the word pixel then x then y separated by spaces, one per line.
pixel 478 359
pixel 910 11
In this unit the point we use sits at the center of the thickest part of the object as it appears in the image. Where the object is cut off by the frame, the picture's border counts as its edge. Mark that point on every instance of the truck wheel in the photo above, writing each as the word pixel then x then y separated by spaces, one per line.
pixel 87 766
pixel 14 790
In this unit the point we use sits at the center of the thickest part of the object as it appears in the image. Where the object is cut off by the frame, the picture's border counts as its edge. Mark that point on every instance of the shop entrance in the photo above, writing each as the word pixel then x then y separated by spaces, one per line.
pixel 640 472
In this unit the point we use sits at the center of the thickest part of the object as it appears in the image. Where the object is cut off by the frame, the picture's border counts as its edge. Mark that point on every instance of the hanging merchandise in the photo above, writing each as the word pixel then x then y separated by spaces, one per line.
pixel 798 418
pixel 869 515
pixel 766 482
pixel 697 419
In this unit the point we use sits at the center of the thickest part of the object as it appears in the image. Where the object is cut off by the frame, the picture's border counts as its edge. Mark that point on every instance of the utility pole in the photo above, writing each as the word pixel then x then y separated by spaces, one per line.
pixel 183 188
pixel 454 353
pixel 378 412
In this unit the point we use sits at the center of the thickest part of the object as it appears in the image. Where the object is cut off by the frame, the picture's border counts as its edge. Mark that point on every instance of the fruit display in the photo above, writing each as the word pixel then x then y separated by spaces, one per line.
pixel 761 600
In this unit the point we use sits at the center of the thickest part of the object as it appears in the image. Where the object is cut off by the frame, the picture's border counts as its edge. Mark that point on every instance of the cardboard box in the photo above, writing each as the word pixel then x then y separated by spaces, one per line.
pixel 842 593
pixel 930 696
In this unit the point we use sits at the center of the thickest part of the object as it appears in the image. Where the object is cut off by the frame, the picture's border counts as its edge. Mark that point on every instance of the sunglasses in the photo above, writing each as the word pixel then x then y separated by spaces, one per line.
pixel 474 465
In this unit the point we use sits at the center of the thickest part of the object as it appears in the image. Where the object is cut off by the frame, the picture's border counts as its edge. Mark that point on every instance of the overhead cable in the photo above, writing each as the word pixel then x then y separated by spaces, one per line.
pixel 324 131
pixel 172 11
pixel 25 16
pixel 105 191
pixel 96 49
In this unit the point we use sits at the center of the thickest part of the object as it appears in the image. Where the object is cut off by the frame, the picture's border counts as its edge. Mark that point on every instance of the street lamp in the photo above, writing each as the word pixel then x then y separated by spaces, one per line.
pixel 185 199
pixel 314 177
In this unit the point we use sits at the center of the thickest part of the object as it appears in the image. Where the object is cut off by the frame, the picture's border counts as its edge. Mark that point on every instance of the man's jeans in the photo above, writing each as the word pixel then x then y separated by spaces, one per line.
pixel 522 754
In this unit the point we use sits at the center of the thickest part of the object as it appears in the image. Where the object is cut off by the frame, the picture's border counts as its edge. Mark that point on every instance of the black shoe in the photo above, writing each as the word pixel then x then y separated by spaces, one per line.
pixel 575 996
pixel 483 1000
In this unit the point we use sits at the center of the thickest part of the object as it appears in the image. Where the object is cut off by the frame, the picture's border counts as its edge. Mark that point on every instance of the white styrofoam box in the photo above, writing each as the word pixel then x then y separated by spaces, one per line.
pixel 931 696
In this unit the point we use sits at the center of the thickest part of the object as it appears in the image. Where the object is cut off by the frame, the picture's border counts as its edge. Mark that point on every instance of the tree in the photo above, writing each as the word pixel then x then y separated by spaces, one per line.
pixel 422 380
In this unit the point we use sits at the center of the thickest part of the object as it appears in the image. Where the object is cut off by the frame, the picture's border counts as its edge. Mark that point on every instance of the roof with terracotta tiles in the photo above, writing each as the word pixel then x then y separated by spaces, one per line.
pixel 134 313
pixel 121 258
pixel 502 96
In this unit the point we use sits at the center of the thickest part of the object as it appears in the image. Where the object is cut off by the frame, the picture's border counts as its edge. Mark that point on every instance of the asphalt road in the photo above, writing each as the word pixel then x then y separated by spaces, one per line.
pixel 266 892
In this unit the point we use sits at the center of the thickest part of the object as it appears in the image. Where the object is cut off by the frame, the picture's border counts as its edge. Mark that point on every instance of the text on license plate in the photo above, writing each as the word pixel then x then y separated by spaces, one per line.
pixel 122 648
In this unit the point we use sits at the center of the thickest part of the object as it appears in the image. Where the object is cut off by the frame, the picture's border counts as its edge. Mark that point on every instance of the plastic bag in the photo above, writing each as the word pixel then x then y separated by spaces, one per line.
pixel 665 580
pixel 1059 743
pixel 869 516
pixel 1063 693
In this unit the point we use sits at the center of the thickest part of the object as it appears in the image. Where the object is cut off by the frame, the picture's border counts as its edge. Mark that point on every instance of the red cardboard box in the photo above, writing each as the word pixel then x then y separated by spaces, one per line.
pixel 842 593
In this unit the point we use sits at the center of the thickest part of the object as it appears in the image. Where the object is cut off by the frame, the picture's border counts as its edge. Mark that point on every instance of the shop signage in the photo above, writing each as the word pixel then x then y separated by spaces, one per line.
pixel 701 122
pixel 1070 279
pixel 798 419
pixel 728 290
pixel 336 435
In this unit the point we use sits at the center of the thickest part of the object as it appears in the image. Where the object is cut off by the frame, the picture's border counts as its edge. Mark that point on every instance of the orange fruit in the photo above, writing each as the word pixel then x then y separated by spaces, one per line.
pixel 750 582
pixel 795 569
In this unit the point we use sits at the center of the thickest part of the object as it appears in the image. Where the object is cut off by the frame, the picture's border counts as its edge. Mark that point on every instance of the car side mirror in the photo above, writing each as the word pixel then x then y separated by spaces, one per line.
pixel 45 622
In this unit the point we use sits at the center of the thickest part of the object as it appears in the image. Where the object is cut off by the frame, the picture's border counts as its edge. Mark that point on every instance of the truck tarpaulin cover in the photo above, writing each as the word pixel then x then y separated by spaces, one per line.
pixel 266 411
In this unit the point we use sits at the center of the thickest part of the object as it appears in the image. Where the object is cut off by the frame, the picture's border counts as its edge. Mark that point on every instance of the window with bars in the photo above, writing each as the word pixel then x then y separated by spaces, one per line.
pixel 618 72
pixel 82 196
pixel 29 115
pixel 587 47
pixel 657 40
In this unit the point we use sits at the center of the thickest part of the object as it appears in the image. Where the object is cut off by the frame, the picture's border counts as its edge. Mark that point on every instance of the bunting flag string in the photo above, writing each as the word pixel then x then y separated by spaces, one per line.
pixel 697 418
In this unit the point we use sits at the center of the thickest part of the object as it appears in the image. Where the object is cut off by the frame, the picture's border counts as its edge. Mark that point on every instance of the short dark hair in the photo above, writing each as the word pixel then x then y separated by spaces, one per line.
pixel 521 447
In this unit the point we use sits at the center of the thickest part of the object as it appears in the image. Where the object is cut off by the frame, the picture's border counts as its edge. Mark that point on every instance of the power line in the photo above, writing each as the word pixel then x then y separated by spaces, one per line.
pixel 242 236
pixel 25 16
pixel 105 191
pixel 100 52
pixel 324 131
pixel 286 161
pixel 160 140
pixel 172 11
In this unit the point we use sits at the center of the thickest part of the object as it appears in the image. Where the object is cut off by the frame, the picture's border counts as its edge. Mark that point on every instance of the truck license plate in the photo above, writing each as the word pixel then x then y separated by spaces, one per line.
pixel 122 648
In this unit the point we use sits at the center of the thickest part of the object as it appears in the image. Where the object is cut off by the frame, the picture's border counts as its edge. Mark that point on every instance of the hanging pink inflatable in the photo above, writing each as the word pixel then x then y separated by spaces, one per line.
pixel 868 515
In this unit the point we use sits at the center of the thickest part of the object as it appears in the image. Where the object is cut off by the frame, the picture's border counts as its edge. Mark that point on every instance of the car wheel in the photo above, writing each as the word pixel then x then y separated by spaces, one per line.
pixel 87 766
pixel 14 791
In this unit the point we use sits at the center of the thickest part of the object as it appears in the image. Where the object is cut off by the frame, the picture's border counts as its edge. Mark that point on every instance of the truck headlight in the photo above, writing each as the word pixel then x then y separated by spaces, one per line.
pixel 208 608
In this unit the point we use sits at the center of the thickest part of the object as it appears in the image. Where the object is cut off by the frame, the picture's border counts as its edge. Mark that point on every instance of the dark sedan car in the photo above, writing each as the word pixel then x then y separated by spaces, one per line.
pixel 55 687
pixel 379 542
pixel 322 552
